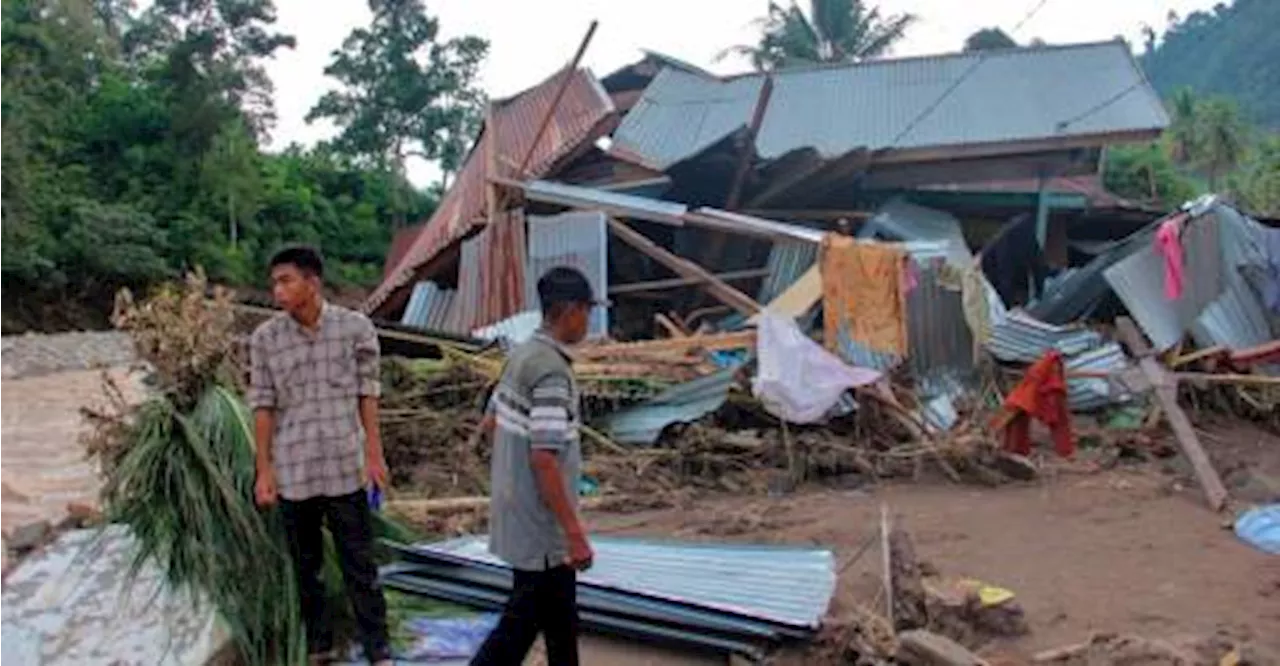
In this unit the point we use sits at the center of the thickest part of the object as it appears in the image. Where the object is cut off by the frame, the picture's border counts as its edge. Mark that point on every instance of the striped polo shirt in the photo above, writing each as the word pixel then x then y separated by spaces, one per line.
pixel 535 406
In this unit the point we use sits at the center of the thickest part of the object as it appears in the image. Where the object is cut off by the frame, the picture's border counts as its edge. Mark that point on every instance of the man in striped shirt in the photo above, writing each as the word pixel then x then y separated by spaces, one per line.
pixel 536 468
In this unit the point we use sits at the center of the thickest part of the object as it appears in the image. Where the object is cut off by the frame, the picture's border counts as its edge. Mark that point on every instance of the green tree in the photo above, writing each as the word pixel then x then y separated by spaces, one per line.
pixel 1145 173
pixel 1256 187
pixel 832 31
pixel 1224 139
pixel 988 39
pixel 1183 134
pixel 402 92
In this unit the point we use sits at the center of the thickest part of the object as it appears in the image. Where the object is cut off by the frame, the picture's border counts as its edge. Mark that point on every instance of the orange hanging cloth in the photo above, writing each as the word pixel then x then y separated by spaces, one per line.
pixel 1042 394
pixel 863 290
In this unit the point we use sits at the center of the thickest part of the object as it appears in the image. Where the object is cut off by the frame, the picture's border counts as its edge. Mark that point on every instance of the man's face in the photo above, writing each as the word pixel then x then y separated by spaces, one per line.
pixel 292 288
pixel 576 319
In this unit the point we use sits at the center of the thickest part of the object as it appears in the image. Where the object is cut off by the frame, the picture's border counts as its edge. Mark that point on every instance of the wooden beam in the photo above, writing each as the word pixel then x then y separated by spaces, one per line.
pixel 799 298
pixel 713 285
pixel 668 346
pixel 667 324
pixel 749 146
pixel 555 101
pixel 802 214
pixel 670 283
pixel 1165 386
pixel 784 183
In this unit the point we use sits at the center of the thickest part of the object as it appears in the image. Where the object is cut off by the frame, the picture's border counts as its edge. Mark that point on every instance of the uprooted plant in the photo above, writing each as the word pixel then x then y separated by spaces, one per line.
pixel 179 471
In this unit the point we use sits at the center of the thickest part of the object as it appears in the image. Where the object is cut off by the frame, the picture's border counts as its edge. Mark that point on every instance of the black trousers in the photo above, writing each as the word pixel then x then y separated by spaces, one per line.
pixel 351 524
pixel 541 602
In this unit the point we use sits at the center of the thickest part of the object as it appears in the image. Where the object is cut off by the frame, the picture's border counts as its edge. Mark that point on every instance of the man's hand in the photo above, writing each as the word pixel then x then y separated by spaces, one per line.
pixel 265 491
pixel 377 471
pixel 580 554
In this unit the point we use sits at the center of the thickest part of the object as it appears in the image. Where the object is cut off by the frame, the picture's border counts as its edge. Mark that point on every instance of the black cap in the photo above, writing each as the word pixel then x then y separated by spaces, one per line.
pixel 565 285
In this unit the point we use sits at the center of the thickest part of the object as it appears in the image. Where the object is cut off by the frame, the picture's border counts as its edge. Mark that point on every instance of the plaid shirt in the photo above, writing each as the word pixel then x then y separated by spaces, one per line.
pixel 313 381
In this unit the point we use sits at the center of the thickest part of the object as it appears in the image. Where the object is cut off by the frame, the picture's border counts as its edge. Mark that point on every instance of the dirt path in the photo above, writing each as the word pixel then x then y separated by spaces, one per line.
pixel 1118 551
pixel 44 467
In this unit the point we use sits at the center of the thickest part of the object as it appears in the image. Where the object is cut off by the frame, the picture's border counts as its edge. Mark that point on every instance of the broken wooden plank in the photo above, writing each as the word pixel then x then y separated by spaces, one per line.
pixel 886 562
pixel 670 283
pixel 1165 386
pixel 555 101
pixel 919 647
pixel 799 298
pixel 667 324
pixel 713 285
pixel 668 346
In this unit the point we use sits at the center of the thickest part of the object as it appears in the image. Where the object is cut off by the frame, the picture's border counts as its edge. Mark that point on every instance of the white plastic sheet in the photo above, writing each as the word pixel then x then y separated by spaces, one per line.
pixel 797 380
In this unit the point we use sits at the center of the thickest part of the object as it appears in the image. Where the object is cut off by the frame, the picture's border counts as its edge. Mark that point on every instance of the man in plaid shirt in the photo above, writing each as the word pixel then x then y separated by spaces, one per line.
pixel 314 391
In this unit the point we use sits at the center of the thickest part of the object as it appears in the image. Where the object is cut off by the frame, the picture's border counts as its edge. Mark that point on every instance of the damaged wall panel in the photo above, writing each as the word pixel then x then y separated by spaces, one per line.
pixel 578 239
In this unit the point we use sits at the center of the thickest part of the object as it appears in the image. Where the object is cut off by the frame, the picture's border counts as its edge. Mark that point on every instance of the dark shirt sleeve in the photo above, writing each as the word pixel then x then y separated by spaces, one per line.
pixel 262 388
pixel 367 356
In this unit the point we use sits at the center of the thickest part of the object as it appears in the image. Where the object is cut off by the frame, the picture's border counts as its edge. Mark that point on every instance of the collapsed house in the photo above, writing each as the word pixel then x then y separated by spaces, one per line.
pixel 850 198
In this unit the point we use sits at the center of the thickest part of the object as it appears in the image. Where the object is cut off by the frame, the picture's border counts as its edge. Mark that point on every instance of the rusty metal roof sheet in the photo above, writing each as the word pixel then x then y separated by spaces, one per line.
pixel 581 112
pixel 964 99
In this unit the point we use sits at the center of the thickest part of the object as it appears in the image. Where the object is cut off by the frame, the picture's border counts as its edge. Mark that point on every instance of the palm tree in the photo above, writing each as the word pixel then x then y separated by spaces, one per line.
pixel 833 31
pixel 1224 138
pixel 1182 136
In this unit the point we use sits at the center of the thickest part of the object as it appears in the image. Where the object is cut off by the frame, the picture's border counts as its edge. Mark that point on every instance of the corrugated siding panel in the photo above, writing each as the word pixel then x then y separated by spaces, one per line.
pixel 1014 95
pixel 787 585
pixel 431 308
pixel 1022 338
pixel 1085 393
pixel 581 110
pixel 502 255
pixel 578 239
pixel 788 260
pixel 937 336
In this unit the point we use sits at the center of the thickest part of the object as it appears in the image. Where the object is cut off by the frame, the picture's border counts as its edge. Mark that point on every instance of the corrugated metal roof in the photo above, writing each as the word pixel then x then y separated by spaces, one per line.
pixel 70 604
pixel 787 585
pixel 579 239
pixel 581 111
pixel 683 403
pixel 681 114
pixel 748 224
pixel 1014 95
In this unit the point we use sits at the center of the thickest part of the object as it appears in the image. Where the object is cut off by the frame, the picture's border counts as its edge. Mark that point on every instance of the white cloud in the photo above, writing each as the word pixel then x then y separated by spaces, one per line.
pixel 529 39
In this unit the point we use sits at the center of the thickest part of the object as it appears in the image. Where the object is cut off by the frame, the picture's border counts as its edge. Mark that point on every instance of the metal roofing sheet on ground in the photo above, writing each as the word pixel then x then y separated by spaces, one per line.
pixel 787 585
pixel 682 403
pixel 1085 393
pixel 70 604
pixel 1024 338
pixel 953 100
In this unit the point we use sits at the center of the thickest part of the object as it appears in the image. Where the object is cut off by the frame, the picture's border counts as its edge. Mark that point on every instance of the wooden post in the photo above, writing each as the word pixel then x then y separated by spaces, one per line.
pixel 1165 385
pixel 555 101
pixel 714 285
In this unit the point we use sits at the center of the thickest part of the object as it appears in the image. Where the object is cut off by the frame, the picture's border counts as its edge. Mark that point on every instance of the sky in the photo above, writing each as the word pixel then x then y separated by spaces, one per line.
pixel 530 39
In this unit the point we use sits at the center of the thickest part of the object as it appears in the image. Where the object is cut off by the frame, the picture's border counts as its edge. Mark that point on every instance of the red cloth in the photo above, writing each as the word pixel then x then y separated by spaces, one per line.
pixel 1042 395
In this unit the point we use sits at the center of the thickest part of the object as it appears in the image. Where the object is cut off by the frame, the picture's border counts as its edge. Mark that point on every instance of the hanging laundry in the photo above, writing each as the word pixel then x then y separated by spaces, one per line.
pixel 862 286
pixel 1169 245
pixel 1042 395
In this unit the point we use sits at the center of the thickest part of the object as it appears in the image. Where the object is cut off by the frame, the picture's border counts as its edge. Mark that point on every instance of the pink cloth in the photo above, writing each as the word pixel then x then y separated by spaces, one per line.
pixel 1169 245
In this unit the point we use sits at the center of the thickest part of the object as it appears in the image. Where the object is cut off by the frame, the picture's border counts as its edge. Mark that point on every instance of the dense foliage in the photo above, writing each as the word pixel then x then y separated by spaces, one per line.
pixel 132 151
pixel 1231 50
